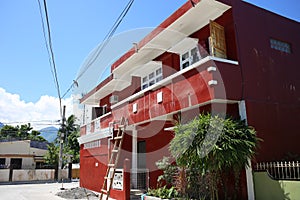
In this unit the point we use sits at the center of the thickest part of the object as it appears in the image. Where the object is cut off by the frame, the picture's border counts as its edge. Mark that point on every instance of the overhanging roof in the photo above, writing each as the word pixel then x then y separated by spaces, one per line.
pixel 113 85
pixel 158 42
pixel 191 21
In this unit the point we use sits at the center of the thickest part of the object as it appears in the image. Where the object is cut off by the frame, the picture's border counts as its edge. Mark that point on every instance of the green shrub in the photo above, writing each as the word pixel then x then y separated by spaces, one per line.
pixel 163 192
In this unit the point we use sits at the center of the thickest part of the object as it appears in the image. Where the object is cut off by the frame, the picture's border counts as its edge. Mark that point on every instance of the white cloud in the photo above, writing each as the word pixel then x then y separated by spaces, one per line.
pixel 13 109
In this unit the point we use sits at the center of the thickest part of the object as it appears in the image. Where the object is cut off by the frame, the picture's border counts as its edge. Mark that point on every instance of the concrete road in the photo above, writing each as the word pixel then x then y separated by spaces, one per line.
pixel 45 191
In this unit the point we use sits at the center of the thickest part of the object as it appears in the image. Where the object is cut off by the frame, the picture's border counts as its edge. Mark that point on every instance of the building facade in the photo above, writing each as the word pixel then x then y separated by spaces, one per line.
pixel 22 154
pixel 220 56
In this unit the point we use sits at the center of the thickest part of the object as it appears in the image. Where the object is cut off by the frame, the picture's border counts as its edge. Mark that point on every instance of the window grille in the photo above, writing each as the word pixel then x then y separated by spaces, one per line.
pixel 280 46
pixel 92 144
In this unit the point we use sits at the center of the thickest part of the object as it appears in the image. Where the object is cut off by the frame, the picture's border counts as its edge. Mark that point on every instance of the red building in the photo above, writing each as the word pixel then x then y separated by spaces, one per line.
pixel 222 56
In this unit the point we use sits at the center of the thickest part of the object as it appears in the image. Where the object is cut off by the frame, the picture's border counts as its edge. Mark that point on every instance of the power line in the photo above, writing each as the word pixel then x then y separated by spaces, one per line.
pixel 105 41
pixel 45 38
pixel 33 122
pixel 50 50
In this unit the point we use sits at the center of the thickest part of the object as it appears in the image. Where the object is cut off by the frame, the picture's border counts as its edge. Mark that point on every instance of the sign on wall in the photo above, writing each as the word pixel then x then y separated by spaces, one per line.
pixel 118 180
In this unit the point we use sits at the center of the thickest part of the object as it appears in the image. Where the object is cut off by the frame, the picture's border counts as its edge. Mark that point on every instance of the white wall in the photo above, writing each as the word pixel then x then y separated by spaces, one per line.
pixel 15 147
pixel 4 175
pixel 21 149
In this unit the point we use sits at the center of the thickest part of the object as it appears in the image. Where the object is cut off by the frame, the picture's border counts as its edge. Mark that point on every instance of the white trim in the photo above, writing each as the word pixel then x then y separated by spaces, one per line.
pixel 211 69
pixel 134 161
pixel 212 82
pixel 169 128
pixel 103 133
pixel 249 174
pixel 224 60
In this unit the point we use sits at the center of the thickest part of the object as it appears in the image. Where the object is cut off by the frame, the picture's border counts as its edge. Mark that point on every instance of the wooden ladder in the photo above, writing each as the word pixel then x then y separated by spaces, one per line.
pixel 113 161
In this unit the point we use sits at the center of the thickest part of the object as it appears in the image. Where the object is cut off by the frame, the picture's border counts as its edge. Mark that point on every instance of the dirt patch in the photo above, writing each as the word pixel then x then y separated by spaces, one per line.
pixel 77 193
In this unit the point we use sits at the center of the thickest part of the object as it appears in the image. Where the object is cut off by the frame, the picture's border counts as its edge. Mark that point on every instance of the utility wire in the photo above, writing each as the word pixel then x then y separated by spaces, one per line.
pixel 46 40
pixel 32 122
pixel 50 51
pixel 104 42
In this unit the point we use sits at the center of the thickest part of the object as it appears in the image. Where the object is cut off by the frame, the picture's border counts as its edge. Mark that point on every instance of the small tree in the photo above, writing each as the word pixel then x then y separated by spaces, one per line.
pixel 214 145
pixel 51 157
pixel 70 146
pixel 72 133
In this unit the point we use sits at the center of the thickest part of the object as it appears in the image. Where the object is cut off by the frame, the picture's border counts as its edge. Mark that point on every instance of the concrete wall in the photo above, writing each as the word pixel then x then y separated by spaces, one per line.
pixel 4 175
pixel 266 188
pixel 30 175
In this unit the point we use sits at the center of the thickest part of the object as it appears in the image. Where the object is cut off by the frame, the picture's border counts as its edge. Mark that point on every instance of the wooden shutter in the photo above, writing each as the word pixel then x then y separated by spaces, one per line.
pixel 217 41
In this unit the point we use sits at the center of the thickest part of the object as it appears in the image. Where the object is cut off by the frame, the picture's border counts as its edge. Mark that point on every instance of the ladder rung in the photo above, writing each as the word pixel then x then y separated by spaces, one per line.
pixel 118 138
pixel 121 126
pixel 107 177
pixel 102 190
pixel 115 151
pixel 111 165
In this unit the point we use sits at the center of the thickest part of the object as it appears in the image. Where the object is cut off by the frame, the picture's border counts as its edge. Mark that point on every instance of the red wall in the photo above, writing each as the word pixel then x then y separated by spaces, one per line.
pixel 92 176
pixel 270 78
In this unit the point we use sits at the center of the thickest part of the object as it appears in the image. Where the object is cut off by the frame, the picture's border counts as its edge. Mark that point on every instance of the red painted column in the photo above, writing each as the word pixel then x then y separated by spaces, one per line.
pixel 126 179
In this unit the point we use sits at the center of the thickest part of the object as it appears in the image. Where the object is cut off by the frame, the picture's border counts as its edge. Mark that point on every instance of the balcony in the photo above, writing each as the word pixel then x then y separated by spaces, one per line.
pixel 97 129
pixel 210 80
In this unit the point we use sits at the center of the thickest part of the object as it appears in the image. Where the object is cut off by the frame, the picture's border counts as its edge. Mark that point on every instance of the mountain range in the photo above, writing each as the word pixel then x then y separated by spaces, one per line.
pixel 49 133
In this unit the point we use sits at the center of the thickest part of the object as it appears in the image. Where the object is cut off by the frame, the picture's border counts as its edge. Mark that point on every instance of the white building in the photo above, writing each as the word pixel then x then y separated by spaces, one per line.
pixel 23 154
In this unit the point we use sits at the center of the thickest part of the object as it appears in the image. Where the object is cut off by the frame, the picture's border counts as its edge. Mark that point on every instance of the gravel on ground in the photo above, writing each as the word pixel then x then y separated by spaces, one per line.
pixel 77 193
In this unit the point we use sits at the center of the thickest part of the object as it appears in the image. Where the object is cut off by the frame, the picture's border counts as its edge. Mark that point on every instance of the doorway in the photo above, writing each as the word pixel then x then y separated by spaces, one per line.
pixel 142 172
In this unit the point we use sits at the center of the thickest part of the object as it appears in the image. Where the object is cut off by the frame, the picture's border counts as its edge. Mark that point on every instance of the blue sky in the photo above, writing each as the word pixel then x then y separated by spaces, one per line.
pixel 76 27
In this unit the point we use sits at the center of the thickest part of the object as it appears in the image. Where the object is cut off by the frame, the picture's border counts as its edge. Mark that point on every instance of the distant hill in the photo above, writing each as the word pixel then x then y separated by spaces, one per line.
pixel 49 133
pixel 1 125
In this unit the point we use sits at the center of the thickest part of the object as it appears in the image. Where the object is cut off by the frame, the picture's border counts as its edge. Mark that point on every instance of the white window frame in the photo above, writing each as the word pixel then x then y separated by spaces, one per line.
pixel 152 78
pixel 189 57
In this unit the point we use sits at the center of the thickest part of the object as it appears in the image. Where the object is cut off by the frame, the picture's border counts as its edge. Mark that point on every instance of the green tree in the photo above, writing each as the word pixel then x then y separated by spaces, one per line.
pixel 72 133
pixel 23 132
pixel 51 157
pixel 35 135
pixel 8 132
pixel 214 145
pixel 70 146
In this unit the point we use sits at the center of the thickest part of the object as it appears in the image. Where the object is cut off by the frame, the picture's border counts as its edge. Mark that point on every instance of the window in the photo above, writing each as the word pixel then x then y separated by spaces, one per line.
pixel 280 45
pixel 190 57
pixel 99 111
pixel 2 163
pixel 152 78
pixel 92 144
pixel 16 163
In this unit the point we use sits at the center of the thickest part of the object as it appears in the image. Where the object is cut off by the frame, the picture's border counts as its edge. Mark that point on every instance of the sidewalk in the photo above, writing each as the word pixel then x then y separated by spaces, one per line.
pixel 45 191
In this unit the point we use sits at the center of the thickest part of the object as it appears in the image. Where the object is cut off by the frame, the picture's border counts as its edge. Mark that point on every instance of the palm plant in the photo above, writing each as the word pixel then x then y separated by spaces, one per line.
pixel 214 145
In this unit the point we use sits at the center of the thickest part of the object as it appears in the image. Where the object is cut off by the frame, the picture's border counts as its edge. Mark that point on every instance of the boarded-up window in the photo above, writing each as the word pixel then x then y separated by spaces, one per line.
pixel 217 41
